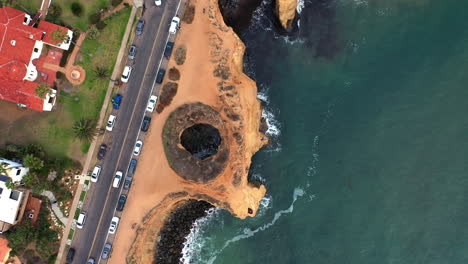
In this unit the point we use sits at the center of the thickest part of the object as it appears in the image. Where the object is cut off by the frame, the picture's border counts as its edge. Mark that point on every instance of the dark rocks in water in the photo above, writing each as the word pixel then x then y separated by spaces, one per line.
pixel 177 227
pixel 201 140
pixel 238 13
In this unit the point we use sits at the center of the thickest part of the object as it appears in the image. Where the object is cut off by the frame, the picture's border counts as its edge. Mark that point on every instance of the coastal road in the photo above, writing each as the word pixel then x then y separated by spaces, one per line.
pixel 102 198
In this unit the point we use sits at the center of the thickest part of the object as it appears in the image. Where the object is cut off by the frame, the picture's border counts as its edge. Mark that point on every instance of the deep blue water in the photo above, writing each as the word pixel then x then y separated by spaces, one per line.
pixel 370 99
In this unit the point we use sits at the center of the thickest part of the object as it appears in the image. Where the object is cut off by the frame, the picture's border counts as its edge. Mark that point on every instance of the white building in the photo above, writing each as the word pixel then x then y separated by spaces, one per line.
pixel 12 202
pixel 16 171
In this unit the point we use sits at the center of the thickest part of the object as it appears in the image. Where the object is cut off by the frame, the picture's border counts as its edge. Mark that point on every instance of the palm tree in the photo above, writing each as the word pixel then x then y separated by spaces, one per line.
pixel 102 73
pixel 85 129
pixel 32 162
pixel 42 90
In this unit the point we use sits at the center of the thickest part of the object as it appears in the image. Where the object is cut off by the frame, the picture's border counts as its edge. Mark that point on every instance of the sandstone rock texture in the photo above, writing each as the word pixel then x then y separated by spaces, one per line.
pixel 286 11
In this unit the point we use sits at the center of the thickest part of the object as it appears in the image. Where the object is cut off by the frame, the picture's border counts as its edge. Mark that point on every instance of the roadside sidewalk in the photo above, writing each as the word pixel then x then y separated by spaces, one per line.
pixel 64 242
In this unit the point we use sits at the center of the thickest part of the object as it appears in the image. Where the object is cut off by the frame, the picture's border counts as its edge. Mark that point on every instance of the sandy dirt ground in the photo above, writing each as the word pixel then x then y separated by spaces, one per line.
pixel 157 189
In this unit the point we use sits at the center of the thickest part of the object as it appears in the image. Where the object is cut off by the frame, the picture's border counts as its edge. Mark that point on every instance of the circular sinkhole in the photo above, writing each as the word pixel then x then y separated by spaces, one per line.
pixel 201 140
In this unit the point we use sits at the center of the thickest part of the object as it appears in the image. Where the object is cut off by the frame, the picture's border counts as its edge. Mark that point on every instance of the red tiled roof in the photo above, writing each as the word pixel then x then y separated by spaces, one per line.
pixel 33 206
pixel 49 28
pixel 16 48
pixel 4 249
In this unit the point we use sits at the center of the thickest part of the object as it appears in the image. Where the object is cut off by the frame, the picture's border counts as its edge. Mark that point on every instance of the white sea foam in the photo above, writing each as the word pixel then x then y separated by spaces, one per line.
pixel 273 124
pixel 300 6
pixel 247 232
pixel 195 241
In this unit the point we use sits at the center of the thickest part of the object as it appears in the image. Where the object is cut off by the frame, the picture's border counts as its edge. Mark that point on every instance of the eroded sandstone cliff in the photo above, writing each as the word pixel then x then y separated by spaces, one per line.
pixel 286 11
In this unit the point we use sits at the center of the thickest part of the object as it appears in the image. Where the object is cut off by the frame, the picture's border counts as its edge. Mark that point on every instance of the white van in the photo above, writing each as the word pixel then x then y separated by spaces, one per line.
pixel 174 25
pixel 81 220
pixel 126 74
pixel 95 174
pixel 110 123
pixel 117 179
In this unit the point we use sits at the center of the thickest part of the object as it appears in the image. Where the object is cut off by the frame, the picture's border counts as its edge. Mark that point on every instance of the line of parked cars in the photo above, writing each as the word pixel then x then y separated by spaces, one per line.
pixel 116 102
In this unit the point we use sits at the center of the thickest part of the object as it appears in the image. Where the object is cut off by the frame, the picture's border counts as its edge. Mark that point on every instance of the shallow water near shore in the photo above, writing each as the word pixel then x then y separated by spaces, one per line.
pixel 367 105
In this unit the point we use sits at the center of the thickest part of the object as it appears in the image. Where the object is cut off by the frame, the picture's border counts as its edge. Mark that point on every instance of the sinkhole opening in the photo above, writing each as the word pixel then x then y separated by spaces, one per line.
pixel 201 140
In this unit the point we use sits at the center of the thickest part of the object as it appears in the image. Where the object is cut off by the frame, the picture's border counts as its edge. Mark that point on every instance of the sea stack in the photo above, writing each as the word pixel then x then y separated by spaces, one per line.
pixel 286 11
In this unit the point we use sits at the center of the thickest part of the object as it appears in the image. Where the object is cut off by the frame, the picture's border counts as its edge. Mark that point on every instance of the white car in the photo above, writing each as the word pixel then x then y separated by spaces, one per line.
pixel 117 179
pixel 95 174
pixel 114 224
pixel 137 149
pixel 81 220
pixel 151 103
pixel 126 74
pixel 174 25
pixel 110 123
pixel 158 2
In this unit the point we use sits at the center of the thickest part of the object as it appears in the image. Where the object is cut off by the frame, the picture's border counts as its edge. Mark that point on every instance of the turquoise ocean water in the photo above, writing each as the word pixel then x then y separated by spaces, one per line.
pixel 368 107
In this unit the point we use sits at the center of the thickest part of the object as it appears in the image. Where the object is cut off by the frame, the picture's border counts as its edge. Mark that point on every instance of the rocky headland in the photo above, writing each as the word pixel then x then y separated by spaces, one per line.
pixel 200 144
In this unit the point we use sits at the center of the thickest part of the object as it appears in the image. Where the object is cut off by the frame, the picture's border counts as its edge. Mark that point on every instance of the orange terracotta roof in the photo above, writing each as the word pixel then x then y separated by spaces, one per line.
pixel 4 249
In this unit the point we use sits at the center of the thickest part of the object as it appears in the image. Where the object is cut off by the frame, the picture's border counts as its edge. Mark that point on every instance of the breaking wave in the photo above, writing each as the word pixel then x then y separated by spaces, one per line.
pixel 247 232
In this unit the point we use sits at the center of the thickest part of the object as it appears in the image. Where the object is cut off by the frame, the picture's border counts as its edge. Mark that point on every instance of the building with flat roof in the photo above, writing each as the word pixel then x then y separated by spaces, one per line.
pixel 12 202
pixel 24 60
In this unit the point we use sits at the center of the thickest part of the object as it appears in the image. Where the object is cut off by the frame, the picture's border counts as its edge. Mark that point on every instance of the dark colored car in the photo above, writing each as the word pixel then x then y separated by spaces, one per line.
pixel 160 76
pixel 70 255
pixel 106 251
pixel 102 151
pixel 131 52
pixel 132 166
pixel 139 27
pixel 127 182
pixel 168 49
pixel 116 101
pixel 121 203
pixel 146 123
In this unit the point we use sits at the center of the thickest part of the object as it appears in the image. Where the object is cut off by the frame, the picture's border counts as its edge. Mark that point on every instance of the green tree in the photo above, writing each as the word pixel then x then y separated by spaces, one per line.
pixel 85 129
pixel 32 162
pixel 59 36
pixel 93 32
pixel 42 90
pixel 3 168
pixel 10 184
pixel 29 180
pixel 19 237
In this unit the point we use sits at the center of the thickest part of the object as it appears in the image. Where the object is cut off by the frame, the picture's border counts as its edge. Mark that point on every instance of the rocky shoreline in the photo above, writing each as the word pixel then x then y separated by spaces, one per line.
pixel 177 227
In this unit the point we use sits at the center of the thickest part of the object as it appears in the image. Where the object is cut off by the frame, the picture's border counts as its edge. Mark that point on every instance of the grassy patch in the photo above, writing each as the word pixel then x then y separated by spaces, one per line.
pixel 31 5
pixel 85 147
pixel 53 130
pixel 70 235
pixel 89 7
pixel 82 196
pixel 77 213
pixel 86 182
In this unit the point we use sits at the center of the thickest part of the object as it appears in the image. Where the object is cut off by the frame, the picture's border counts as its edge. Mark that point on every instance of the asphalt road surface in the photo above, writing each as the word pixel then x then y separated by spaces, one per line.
pixel 102 198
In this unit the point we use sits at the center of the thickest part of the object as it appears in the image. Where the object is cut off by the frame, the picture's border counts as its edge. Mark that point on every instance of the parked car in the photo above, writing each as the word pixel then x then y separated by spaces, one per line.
pixel 102 151
pixel 81 220
pixel 70 255
pixel 160 76
pixel 117 178
pixel 131 52
pixel 121 203
pixel 95 174
pixel 151 103
pixel 138 146
pixel 126 74
pixel 146 123
pixel 168 49
pixel 116 101
pixel 110 123
pixel 139 27
pixel 106 251
pixel 127 182
pixel 132 166
pixel 91 261
pixel 158 2
pixel 114 224
pixel 174 25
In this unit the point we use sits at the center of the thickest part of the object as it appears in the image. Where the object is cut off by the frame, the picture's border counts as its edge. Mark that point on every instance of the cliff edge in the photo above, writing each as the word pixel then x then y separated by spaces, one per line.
pixel 286 11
